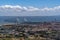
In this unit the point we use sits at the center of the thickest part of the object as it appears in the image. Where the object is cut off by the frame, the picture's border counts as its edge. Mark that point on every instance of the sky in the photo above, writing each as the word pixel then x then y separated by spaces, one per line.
pixel 29 7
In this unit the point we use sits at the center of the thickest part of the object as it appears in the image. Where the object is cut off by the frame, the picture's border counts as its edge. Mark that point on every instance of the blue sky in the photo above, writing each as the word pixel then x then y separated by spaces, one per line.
pixel 29 7
pixel 36 3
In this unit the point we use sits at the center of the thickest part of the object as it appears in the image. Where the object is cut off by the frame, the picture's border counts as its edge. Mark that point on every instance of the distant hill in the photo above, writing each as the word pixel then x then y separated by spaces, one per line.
pixel 22 19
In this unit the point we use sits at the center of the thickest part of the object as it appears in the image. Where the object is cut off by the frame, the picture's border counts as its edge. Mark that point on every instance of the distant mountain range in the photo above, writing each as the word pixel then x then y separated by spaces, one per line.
pixel 21 19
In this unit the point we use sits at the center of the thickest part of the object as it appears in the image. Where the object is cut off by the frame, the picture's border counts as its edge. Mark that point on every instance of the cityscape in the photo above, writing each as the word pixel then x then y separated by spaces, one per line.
pixel 29 19
pixel 30 31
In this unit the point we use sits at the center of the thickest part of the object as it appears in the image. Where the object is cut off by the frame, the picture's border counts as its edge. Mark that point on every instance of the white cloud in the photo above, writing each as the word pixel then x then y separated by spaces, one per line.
pixel 9 10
